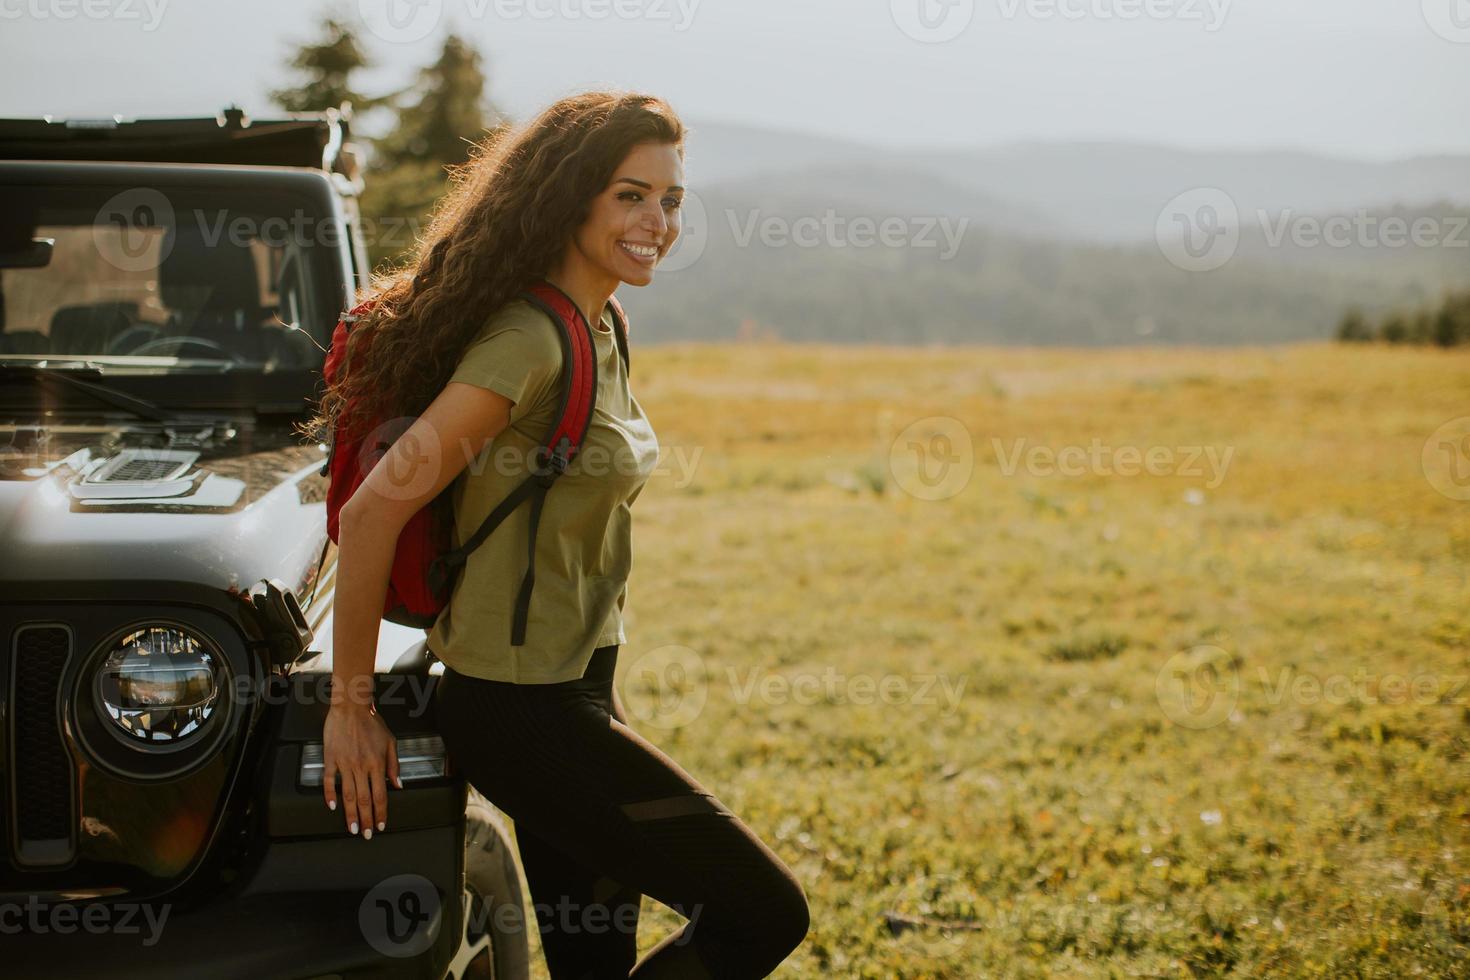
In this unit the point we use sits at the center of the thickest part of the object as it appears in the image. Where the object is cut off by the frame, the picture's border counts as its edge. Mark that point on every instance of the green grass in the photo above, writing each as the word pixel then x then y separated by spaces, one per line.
pixel 1135 725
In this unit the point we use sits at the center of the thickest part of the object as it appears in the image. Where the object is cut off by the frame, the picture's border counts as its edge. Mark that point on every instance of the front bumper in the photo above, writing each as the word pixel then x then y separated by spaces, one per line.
pixel 328 907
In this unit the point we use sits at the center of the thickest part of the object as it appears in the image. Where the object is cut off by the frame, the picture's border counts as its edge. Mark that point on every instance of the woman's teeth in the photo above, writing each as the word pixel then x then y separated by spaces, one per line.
pixel 642 251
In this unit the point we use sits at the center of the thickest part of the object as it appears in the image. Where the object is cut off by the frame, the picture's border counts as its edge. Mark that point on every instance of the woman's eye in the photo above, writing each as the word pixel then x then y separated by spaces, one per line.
pixel 673 203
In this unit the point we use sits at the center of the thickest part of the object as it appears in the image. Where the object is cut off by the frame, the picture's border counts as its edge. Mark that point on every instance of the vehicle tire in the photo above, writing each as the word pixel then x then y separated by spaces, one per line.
pixel 496 943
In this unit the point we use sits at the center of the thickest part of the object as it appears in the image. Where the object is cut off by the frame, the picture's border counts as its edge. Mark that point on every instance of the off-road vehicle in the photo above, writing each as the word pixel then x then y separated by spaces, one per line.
pixel 167 289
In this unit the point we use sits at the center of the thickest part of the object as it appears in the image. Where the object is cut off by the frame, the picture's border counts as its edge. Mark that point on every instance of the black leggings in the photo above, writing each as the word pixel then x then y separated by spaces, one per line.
pixel 602 818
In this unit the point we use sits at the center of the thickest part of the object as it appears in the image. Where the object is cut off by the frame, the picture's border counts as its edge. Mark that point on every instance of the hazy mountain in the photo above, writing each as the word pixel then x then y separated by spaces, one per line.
pixel 876 191
pixel 1116 192
pixel 784 256
pixel 720 152
pixel 1107 192
pixel 1045 243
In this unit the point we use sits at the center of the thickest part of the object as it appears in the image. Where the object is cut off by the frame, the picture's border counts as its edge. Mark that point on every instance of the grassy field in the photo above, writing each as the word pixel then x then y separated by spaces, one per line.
pixel 1061 712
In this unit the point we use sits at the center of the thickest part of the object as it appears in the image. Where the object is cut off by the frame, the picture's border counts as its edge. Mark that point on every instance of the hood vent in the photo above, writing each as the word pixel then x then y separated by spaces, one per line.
pixel 138 473
pixel 151 470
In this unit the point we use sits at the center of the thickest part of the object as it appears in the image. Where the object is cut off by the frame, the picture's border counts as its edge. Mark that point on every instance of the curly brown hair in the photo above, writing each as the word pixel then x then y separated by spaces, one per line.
pixel 509 216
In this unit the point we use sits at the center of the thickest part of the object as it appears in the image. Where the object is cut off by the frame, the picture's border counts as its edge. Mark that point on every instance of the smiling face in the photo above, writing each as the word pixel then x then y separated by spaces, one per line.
pixel 635 220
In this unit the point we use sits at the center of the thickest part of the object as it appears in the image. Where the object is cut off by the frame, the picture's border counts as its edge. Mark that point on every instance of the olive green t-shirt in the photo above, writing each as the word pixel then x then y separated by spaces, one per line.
pixel 584 539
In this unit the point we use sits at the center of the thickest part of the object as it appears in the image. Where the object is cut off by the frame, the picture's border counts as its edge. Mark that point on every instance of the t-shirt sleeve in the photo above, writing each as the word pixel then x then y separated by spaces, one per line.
pixel 518 357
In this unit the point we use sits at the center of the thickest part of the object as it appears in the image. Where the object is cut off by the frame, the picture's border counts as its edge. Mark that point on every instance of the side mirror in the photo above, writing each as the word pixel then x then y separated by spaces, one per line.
pixel 282 621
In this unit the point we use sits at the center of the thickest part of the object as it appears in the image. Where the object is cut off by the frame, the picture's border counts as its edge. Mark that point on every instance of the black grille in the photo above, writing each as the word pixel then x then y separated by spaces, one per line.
pixel 40 765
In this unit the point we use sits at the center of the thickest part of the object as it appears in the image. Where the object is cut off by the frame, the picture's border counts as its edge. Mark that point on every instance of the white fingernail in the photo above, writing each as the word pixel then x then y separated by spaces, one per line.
pixel 331 804
pixel 382 825
pixel 367 834
pixel 354 826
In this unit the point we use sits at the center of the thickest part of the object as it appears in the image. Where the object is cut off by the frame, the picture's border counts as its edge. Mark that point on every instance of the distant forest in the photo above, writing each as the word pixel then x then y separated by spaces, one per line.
pixel 1445 324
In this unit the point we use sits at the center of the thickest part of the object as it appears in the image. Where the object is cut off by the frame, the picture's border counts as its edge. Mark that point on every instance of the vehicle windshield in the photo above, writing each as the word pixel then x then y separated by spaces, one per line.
pixel 166 279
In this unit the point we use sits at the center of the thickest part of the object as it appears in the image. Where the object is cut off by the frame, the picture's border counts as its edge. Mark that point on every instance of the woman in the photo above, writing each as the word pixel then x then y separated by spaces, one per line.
pixel 586 197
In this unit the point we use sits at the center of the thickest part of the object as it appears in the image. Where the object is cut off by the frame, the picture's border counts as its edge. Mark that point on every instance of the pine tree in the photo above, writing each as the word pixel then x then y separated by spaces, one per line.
pixel 438 119
pixel 1354 327
pixel 1395 329
pixel 449 113
pixel 1452 322
pixel 328 65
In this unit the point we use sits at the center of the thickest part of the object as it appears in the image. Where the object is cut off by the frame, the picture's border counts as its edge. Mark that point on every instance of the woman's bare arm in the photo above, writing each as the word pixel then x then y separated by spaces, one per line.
pixel 453 430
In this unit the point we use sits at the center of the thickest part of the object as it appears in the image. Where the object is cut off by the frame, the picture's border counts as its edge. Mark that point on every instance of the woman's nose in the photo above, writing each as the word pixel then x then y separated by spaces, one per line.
pixel 655 220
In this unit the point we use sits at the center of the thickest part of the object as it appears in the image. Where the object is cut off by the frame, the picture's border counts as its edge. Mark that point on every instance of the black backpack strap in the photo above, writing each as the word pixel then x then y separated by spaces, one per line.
pixel 523 599
pixel 558 447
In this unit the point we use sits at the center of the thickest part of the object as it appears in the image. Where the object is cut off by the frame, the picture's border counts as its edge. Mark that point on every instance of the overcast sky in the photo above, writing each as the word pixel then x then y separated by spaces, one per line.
pixel 1363 78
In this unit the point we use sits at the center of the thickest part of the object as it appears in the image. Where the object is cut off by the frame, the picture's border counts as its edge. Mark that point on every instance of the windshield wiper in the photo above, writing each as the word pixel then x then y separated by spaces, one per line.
pixel 140 407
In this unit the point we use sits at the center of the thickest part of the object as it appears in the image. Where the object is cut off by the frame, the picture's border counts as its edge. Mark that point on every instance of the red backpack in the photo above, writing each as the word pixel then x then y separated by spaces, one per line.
pixel 425 563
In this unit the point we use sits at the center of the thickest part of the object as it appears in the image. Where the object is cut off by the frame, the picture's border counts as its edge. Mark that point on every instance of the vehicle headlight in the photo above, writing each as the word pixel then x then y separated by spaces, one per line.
pixel 159 684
